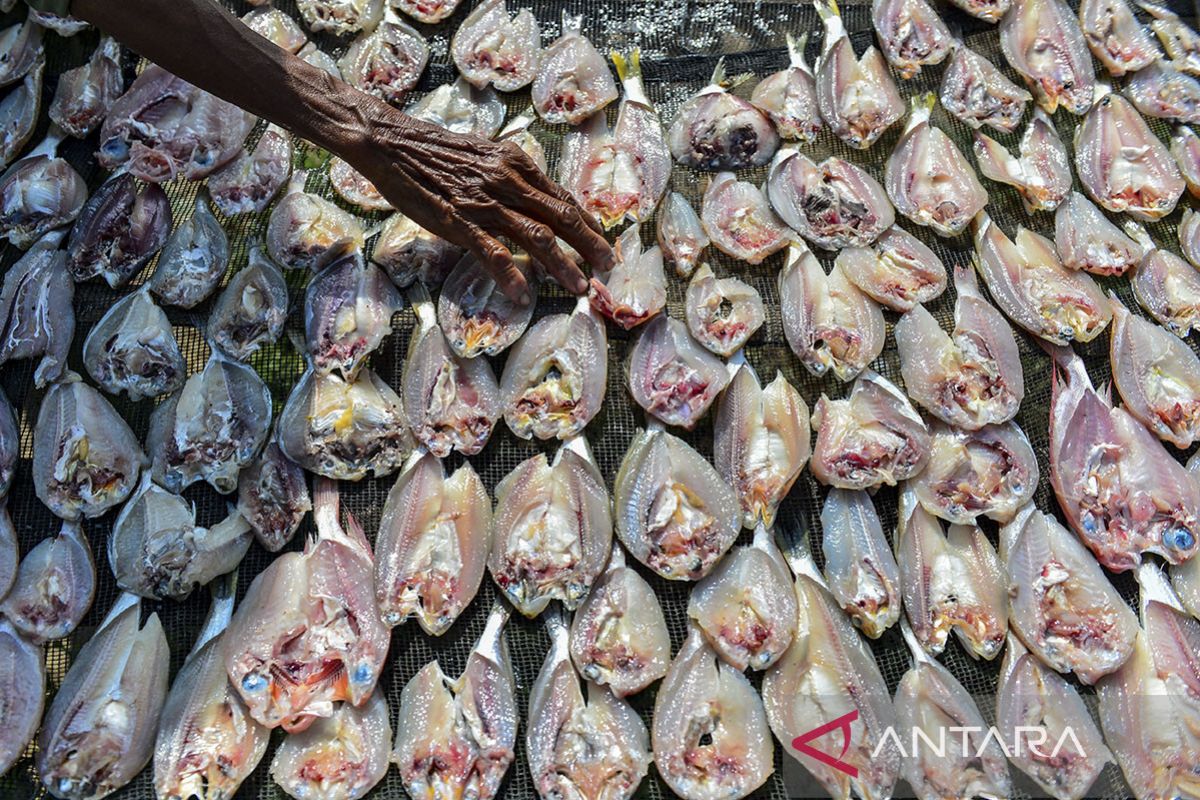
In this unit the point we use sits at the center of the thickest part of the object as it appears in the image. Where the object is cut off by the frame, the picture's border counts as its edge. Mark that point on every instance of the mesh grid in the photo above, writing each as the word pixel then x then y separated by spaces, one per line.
pixel 680 42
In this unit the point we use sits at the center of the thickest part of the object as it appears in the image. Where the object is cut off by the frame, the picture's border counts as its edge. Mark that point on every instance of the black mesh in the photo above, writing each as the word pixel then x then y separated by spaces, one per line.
pixel 680 42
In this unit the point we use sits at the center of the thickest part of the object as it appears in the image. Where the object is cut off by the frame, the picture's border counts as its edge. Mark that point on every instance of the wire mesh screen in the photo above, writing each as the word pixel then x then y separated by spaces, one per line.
pixel 681 41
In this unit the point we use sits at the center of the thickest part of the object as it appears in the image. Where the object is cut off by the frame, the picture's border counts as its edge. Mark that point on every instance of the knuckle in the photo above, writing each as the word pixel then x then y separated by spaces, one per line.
pixel 540 235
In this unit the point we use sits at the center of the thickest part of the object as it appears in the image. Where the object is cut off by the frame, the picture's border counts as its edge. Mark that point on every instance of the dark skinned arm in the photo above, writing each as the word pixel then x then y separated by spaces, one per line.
pixel 466 189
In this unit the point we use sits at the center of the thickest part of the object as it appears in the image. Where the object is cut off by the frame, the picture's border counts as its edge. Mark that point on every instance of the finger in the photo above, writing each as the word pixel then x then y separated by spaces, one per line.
pixel 538 240
pixel 568 220
pixel 497 261
pixel 541 181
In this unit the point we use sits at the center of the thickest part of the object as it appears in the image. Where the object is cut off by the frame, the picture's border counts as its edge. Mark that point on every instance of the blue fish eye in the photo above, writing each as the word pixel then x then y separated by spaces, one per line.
pixel 253 682
pixel 362 674
pixel 115 147
pixel 1179 539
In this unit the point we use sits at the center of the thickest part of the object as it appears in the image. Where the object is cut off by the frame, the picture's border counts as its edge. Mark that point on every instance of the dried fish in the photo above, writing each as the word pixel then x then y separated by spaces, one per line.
pixel 593 748
pixel 1180 41
pixel 674 512
pixel 120 229
pixel 19 112
pixel 408 253
pixel 23 678
pixel 20 48
pixel 340 17
pixel 54 586
pixel 490 47
pixel 671 376
pixel 636 287
pixel 516 130
pixel 722 314
pixel 552 529
pixel 1121 163
pixel 789 97
pixel 828 322
pixel 36 309
pixel 572 81
pixel 1189 236
pixel 976 92
pixel 1085 239
pixel 386 60
pixel 460 107
pixel 1167 287
pixel 1163 90
pixel 99 731
pixel 476 316
pixel 193 261
pixel 1115 36
pixel 928 178
pixel 859 566
pixel 988 472
pixel 1042 41
pixel 834 204
pixel 133 349
pixel 276 27
pixel 1042 174
pixel 307 634
pixel 737 218
pixel 950 581
pixel 680 233
pixel 1034 289
pixel 250 311
pixel 1185 149
pixel 455 737
pixel 348 309
pixel 857 97
pixel 911 34
pixel 353 187
pixel 619 635
pixel 63 25
pixel 717 130
pixel 10 452
pixel 555 378
pixel 898 270
pixel 273 497
pixel 85 458
pixel 9 554
pixel 428 11
pixel 309 232
pixel 870 438
pixel 39 193
pixel 621 173
pixel 248 183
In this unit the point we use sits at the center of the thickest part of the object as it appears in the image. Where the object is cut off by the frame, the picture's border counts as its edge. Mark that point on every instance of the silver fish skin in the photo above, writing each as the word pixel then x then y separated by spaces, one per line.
pixel 120 229
pixel 308 635
pixel 132 349
pixel 722 313
pixel 491 48
pixel 572 81
pixel 674 511
pixel 1042 173
pixel 1168 287
pixel 898 271
pixel 207 743
pixel 163 127
pixel 829 323
pixel 10 449
pixel 339 757
pixel 789 97
pixel 596 747
pixel 19 111
pixel 39 193
pixel 476 316
pixel 551 531
pixel 1177 38
pixel 1189 236
pixel 833 204
pixel 516 130
pixel 760 441
pixel 452 402
pixel 1163 90
pixel 273 497
pixel 555 378
pixel 23 678
pixel 977 93
pixel 1115 37
pixel 353 187
pixel 619 636
pixel 276 27
pixel 717 130
pixel 85 458
pixel 1087 240
pixel 455 737
pixel 157 551
pixel 1061 604
pixel 193 261
pixel 746 607
pixel 211 428
pixel 341 17
pixel 460 107
pixel 1034 289
pixel 737 218
pixel 950 581
pixel 872 437
pixel 36 310
pixel 671 376
pixel 1185 149
pixel 250 311
pixel 619 173
pixel 1042 706
pixel 387 61
pixel 63 25
pixel 248 183
pixel 680 234
pixel 99 731
pixel 408 253
pixel 636 287
pixel 930 702
pixel 911 35
pixel 311 54
pixel 857 97
pixel 309 232
pixel 860 569
pixel 344 430
pixel 1121 163
pixel 432 545
pixel 348 310
pixel 428 11
pixel 928 178
pixel 22 46
pixel 1122 493
pixel 1157 375
pixel 1042 41
pixel 989 472
pixel 709 732
pixel 54 586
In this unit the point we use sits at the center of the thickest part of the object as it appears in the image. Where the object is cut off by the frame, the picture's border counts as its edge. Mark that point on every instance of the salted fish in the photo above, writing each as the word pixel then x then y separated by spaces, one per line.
pixel 1042 173
pixel 671 376
pixel 120 229
pixel 635 289
pixel 738 220
pixel 717 130
pixel 860 569
pixel 572 81
pixel 193 260
pixel 386 60
pixel 250 311
pixel 897 271
pixel 133 349
pixel 39 193
pixel 348 310
pixel 492 48
pixel 722 313
pixel 680 233
pixel 23 671
pixel 833 204
pixel 1042 41
pixel 273 497
pixel 1087 240
pixel 976 92
pixel 37 311
pixel 911 34
pixel 54 586
pixel 1118 40
pixel 789 96
pixel 309 232
pixel 476 316
pixel 252 179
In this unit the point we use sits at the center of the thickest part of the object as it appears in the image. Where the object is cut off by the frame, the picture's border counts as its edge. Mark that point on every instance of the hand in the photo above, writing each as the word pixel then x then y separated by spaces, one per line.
pixel 470 191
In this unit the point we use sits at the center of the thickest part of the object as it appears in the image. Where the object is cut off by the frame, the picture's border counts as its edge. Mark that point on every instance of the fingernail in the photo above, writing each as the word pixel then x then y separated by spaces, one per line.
pixel 525 299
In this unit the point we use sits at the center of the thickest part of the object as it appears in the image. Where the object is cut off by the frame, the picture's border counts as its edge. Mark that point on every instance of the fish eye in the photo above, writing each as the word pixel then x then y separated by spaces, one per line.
pixel 362 674
pixel 1179 539
pixel 253 682
pixel 115 148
